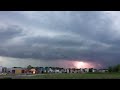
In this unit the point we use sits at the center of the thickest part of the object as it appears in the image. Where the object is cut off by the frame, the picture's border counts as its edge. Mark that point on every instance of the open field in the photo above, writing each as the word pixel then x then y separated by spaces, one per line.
pixel 66 76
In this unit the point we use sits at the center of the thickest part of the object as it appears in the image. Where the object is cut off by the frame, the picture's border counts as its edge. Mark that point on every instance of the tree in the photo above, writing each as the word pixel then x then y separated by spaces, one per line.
pixel 115 68
pixel 110 69
pixel 29 67
pixel 91 69
pixel 119 68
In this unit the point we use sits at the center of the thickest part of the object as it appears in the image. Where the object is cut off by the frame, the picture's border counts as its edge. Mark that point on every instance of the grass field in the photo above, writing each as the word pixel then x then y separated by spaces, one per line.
pixel 66 76
pixel 77 76
pixel 70 76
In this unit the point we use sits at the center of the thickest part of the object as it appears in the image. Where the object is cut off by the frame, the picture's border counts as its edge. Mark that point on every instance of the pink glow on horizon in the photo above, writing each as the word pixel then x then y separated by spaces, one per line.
pixel 77 64
pixel 81 64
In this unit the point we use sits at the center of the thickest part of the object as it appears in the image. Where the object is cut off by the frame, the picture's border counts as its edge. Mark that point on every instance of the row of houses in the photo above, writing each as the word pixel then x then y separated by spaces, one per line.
pixel 38 70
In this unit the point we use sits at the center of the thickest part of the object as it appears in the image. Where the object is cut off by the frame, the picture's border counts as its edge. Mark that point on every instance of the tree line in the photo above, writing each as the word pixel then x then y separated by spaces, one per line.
pixel 115 68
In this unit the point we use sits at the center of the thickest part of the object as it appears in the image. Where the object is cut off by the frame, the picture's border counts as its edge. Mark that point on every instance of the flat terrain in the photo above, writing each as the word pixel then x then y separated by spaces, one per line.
pixel 65 76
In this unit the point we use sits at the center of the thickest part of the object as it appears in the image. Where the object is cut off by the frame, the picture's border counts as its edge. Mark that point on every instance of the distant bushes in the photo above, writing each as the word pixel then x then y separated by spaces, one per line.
pixel 115 68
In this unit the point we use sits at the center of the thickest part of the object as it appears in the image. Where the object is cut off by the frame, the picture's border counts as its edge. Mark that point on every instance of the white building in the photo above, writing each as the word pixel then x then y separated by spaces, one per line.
pixel 62 70
pixel 86 69
pixel 9 70
pixel 94 70
pixel 67 70
pixel 80 69
pixel 4 70
pixel 56 71
pixel 103 70
pixel 50 70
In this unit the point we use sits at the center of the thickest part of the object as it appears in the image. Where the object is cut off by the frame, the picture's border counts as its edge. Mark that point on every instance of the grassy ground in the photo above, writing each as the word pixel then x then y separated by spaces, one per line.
pixel 78 76
pixel 69 76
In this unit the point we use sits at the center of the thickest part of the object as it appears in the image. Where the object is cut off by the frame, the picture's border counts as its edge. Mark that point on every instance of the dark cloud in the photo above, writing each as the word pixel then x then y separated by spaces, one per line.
pixel 9 32
pixel 80 35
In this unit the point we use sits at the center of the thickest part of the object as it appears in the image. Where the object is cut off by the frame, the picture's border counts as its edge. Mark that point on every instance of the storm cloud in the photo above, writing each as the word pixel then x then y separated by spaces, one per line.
pixel 91 36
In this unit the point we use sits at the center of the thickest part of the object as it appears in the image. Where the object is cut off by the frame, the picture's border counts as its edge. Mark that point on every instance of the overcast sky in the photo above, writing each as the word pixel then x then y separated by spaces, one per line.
pixel 58 38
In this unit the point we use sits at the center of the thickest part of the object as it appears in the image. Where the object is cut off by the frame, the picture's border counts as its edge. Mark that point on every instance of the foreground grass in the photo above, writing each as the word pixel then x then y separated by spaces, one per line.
pixel 66 76
pixel 77 76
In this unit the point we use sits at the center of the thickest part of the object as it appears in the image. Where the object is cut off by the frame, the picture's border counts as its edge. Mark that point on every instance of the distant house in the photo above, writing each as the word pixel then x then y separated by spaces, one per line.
pixel 40 70
pixel 103 70
pixel 62 70
pixel 73 70
pixel 18 70
pixel 57 71
pixel 78 71
pixel 91 69
pixel 94 70
pixel 1 69
pixel 50 70
pixel 4 70
pixel 33 71
pixel 43 70
pixel 67 70
pixel 47 69
pixel 81 70
pixel 9 70
pixel 86 69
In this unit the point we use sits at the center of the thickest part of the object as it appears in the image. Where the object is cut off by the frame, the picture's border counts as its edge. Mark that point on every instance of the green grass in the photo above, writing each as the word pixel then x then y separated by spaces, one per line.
pixel 77 76
pixel 66 76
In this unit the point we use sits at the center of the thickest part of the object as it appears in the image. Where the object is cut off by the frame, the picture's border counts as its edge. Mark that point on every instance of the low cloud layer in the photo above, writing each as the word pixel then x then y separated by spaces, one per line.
pixel 91 36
